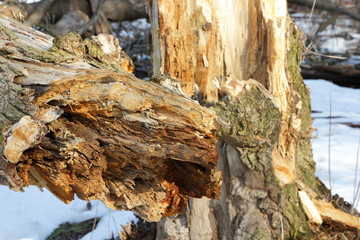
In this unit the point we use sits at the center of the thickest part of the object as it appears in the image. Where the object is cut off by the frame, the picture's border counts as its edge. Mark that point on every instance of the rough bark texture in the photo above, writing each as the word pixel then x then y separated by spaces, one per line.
pixel 204 43
pixel 73 128
pixel 245 56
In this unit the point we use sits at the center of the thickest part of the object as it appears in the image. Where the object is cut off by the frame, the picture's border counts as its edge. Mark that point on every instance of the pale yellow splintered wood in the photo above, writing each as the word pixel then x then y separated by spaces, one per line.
pixel 329 212
pixel 311 212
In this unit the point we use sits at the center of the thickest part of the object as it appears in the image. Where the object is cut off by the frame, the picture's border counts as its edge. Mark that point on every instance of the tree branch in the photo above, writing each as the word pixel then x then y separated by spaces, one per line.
pixel 100 133
pixel 96 14
pixel 39 12
pixel 328 6
pixel 113 10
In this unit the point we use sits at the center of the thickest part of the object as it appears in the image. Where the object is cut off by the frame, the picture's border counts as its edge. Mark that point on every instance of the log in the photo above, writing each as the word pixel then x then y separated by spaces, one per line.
pixel 342 75
pixel 328 6
pixel 75 120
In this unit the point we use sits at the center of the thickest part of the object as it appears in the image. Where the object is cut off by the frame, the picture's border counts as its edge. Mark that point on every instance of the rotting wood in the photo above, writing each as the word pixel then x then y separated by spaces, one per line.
pixel 99 133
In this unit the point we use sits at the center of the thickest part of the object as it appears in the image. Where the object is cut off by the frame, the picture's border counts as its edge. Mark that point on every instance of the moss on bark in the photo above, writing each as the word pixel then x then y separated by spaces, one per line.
pixel 70 47
pixel 305 164
pixel 295 219
pixel 254 120
pixel 254 128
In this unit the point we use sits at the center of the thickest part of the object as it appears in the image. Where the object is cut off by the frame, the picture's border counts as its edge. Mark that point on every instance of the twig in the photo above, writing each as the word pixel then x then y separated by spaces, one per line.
pixel 357 198
pixel 94 224
pixel 311 14
pixel 329 147
pixel 307 49
pixel 116 229
pixel 39 12
pixel 356 169
pixel 356 189
pixel 93 19
pixel 108 223
pixel 325 55
pixel 282 228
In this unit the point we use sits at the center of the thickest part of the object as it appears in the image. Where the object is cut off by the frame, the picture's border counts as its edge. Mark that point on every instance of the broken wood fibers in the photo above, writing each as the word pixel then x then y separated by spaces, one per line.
pixel 101 133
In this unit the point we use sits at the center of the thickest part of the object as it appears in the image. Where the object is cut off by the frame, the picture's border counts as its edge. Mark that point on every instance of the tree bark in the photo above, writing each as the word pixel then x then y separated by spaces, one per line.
pixel 244 57
pixel 76 121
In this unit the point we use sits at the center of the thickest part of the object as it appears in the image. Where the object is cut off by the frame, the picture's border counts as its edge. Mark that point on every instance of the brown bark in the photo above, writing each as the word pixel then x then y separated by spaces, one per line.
pixel 244 56
pixel 99 133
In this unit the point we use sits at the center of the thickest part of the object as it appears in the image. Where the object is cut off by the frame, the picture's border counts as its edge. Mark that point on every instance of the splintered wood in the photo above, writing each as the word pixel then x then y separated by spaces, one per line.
pixel 125 142
pixel 101 134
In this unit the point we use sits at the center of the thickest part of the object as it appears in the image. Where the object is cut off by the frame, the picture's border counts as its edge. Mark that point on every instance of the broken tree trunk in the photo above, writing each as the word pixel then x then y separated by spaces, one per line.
pixel 244 56
pixel 75 120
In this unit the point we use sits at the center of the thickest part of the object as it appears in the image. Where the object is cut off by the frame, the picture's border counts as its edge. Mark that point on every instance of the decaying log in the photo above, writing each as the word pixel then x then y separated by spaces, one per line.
pixel 76 121
pixel 342 75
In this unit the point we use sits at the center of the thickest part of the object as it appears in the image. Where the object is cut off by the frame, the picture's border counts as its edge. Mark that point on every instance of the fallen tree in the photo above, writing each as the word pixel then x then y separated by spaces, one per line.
pixel 342 75
pixel 76 121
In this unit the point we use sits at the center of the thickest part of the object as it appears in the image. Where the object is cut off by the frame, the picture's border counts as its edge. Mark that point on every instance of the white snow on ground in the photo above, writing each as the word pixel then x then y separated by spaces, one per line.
pixel 33 215
pixel 336 44
pixel 344 139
